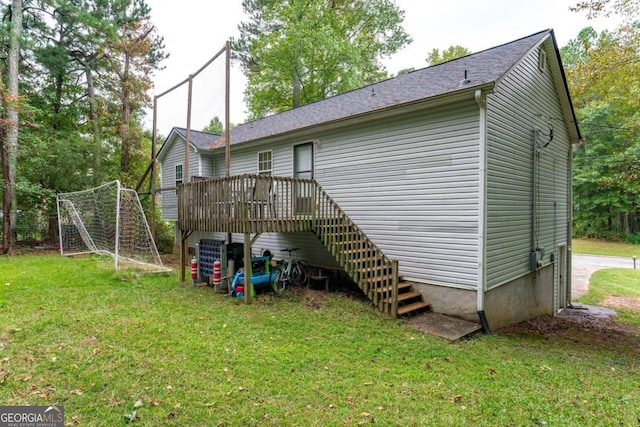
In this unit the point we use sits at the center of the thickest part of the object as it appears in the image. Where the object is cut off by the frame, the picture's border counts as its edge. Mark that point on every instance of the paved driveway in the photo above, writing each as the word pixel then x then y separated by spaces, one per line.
pixel 583 267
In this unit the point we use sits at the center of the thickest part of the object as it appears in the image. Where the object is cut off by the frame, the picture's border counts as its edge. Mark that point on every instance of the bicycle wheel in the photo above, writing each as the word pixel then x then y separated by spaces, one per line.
pixel 280 282
pixel 299 274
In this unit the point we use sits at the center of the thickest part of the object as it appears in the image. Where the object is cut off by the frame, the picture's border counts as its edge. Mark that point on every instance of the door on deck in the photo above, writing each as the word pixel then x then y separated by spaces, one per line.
pixel 303 169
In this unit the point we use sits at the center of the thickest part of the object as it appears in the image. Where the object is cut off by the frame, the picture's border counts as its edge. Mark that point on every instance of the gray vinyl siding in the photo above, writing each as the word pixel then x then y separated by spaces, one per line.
pixel 411 184
pixel 244 160
pixel 173 155
pixel 207 165
pixel 513 111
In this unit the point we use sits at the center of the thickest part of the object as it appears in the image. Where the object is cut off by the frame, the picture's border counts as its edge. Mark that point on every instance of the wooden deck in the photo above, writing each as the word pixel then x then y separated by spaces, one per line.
pixel 251 204
pixel 247 204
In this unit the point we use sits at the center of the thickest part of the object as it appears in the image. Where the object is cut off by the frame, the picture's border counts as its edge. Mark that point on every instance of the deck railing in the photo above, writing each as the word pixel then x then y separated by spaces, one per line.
pixel 246 204
pixel 257 203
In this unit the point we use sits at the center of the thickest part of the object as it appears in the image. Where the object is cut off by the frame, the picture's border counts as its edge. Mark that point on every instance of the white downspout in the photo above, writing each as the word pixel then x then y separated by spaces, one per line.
pixel 481 100
pixel 569 208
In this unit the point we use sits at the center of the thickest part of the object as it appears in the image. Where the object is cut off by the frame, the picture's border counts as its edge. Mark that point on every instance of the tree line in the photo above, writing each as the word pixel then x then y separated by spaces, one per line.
pixel 75 79
pixel 603 73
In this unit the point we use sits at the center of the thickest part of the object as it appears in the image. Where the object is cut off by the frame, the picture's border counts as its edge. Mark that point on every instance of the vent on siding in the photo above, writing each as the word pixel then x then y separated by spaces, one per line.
pixel 542 59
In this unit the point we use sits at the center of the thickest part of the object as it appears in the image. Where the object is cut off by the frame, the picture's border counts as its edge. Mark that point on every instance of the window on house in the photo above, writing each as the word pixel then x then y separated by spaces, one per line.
pixel 542 59
pixel 179 176
pixel 265 163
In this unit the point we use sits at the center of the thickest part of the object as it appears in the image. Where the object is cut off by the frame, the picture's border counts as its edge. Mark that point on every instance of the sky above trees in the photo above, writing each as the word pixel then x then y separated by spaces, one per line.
pixel 192 38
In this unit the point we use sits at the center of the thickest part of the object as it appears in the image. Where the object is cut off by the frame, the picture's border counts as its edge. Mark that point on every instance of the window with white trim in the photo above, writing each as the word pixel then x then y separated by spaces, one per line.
pixel 265 164
pixel 179 175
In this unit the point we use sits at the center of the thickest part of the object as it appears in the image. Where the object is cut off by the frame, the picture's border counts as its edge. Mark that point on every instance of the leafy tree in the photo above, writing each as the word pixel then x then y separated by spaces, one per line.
pixel 215 126
pixel 405 71
pixel 450 53
pixel 85 68
pixel 136 51
pixel 297 52
pixel 627 9
pixel 603 75
pixel 9 131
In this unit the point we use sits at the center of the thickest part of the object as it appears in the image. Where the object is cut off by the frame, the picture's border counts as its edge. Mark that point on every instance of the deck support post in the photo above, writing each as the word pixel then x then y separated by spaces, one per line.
pixel 248 287
pixel 394 292
pixel 183 254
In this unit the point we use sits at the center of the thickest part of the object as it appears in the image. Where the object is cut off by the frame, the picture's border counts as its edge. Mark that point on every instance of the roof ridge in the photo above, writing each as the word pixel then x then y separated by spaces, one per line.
pixel 487 49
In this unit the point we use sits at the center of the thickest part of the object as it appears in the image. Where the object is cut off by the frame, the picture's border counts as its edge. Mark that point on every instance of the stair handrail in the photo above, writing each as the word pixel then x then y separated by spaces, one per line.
pixel 329 210
pixel 229 204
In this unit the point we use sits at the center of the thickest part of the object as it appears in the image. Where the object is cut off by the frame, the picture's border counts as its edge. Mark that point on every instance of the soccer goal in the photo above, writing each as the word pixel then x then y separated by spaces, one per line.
pixel 107 220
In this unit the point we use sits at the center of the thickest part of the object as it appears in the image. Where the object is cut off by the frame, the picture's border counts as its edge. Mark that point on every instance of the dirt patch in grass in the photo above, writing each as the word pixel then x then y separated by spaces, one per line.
pixel 585 333
pixel 622 302
pixel 171 260
pixel 310 297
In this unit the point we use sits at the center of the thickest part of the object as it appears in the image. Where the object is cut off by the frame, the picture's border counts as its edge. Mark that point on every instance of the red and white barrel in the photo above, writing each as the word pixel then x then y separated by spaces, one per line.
pixel 194 268
pixel 217 275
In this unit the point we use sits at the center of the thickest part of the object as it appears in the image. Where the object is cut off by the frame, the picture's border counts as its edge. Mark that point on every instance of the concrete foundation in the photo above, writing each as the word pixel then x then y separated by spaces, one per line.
pixel 454 302
pixel 524 298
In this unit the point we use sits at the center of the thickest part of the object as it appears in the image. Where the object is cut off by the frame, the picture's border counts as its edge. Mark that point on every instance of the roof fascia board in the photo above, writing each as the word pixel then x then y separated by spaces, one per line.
pixel 171 139
pixel 559 80
pixel 563 88
pixel 467 93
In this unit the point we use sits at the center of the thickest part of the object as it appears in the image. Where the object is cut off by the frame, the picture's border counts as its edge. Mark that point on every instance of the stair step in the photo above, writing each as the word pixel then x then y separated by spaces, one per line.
pixel 341 236
pixel 402 288
pixel 368 259
pixel 408 308
pixel 373 268
pixel 403 297
pixel 355 251
pixel 378 278
pixel 350 242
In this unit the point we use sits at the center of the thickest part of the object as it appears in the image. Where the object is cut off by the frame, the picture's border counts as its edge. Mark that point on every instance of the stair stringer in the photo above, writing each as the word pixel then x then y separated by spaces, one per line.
pixel 363 261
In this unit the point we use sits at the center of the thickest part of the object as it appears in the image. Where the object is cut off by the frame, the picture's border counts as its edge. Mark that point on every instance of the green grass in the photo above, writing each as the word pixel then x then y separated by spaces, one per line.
pixel 601 247
pixel 615 282
pixel 103 345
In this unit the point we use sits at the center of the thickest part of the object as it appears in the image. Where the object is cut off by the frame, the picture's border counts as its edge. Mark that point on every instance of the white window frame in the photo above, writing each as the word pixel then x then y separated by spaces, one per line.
pixel 542 59
pixel 265 171
pixel 175 174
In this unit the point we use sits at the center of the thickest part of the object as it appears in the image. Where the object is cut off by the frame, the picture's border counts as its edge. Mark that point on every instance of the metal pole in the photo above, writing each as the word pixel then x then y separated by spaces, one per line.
pixel 185 172
pixel 117 248
pixel 154 142
pixel 227 122
pixel 634 261
pixel 247 268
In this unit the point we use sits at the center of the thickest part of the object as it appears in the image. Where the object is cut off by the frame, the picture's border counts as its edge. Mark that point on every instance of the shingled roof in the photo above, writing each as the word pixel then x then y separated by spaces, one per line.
pixel 201 140
pixel 482 68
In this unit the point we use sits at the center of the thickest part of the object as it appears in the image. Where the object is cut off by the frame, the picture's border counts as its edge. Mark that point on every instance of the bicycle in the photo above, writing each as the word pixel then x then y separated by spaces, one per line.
pixel 291 272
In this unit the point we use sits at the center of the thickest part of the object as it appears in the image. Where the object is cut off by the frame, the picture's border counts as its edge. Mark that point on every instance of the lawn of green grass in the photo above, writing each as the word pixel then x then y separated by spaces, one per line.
pixel 122 347
pixel 601 247
pixel 615 282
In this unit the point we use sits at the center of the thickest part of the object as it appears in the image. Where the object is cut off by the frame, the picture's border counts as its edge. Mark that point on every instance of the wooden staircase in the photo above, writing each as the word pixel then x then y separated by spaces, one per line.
pixel 363 261
pixel 296 205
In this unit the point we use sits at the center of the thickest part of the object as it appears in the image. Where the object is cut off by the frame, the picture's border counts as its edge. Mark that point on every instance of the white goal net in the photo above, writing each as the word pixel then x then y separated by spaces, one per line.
pixel 107 220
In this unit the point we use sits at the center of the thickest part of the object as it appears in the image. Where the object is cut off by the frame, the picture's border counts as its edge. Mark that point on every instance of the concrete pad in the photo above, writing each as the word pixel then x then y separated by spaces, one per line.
pixel 443 326
pixel 584 312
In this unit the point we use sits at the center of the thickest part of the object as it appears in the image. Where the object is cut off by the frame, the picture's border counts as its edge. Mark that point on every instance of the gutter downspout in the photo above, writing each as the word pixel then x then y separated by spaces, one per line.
pixel 568 273
pixel 481 100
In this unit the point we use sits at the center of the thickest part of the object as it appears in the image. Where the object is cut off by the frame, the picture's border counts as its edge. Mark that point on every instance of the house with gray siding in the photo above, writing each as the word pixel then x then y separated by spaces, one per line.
pixel 174 163
pixel 458 176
